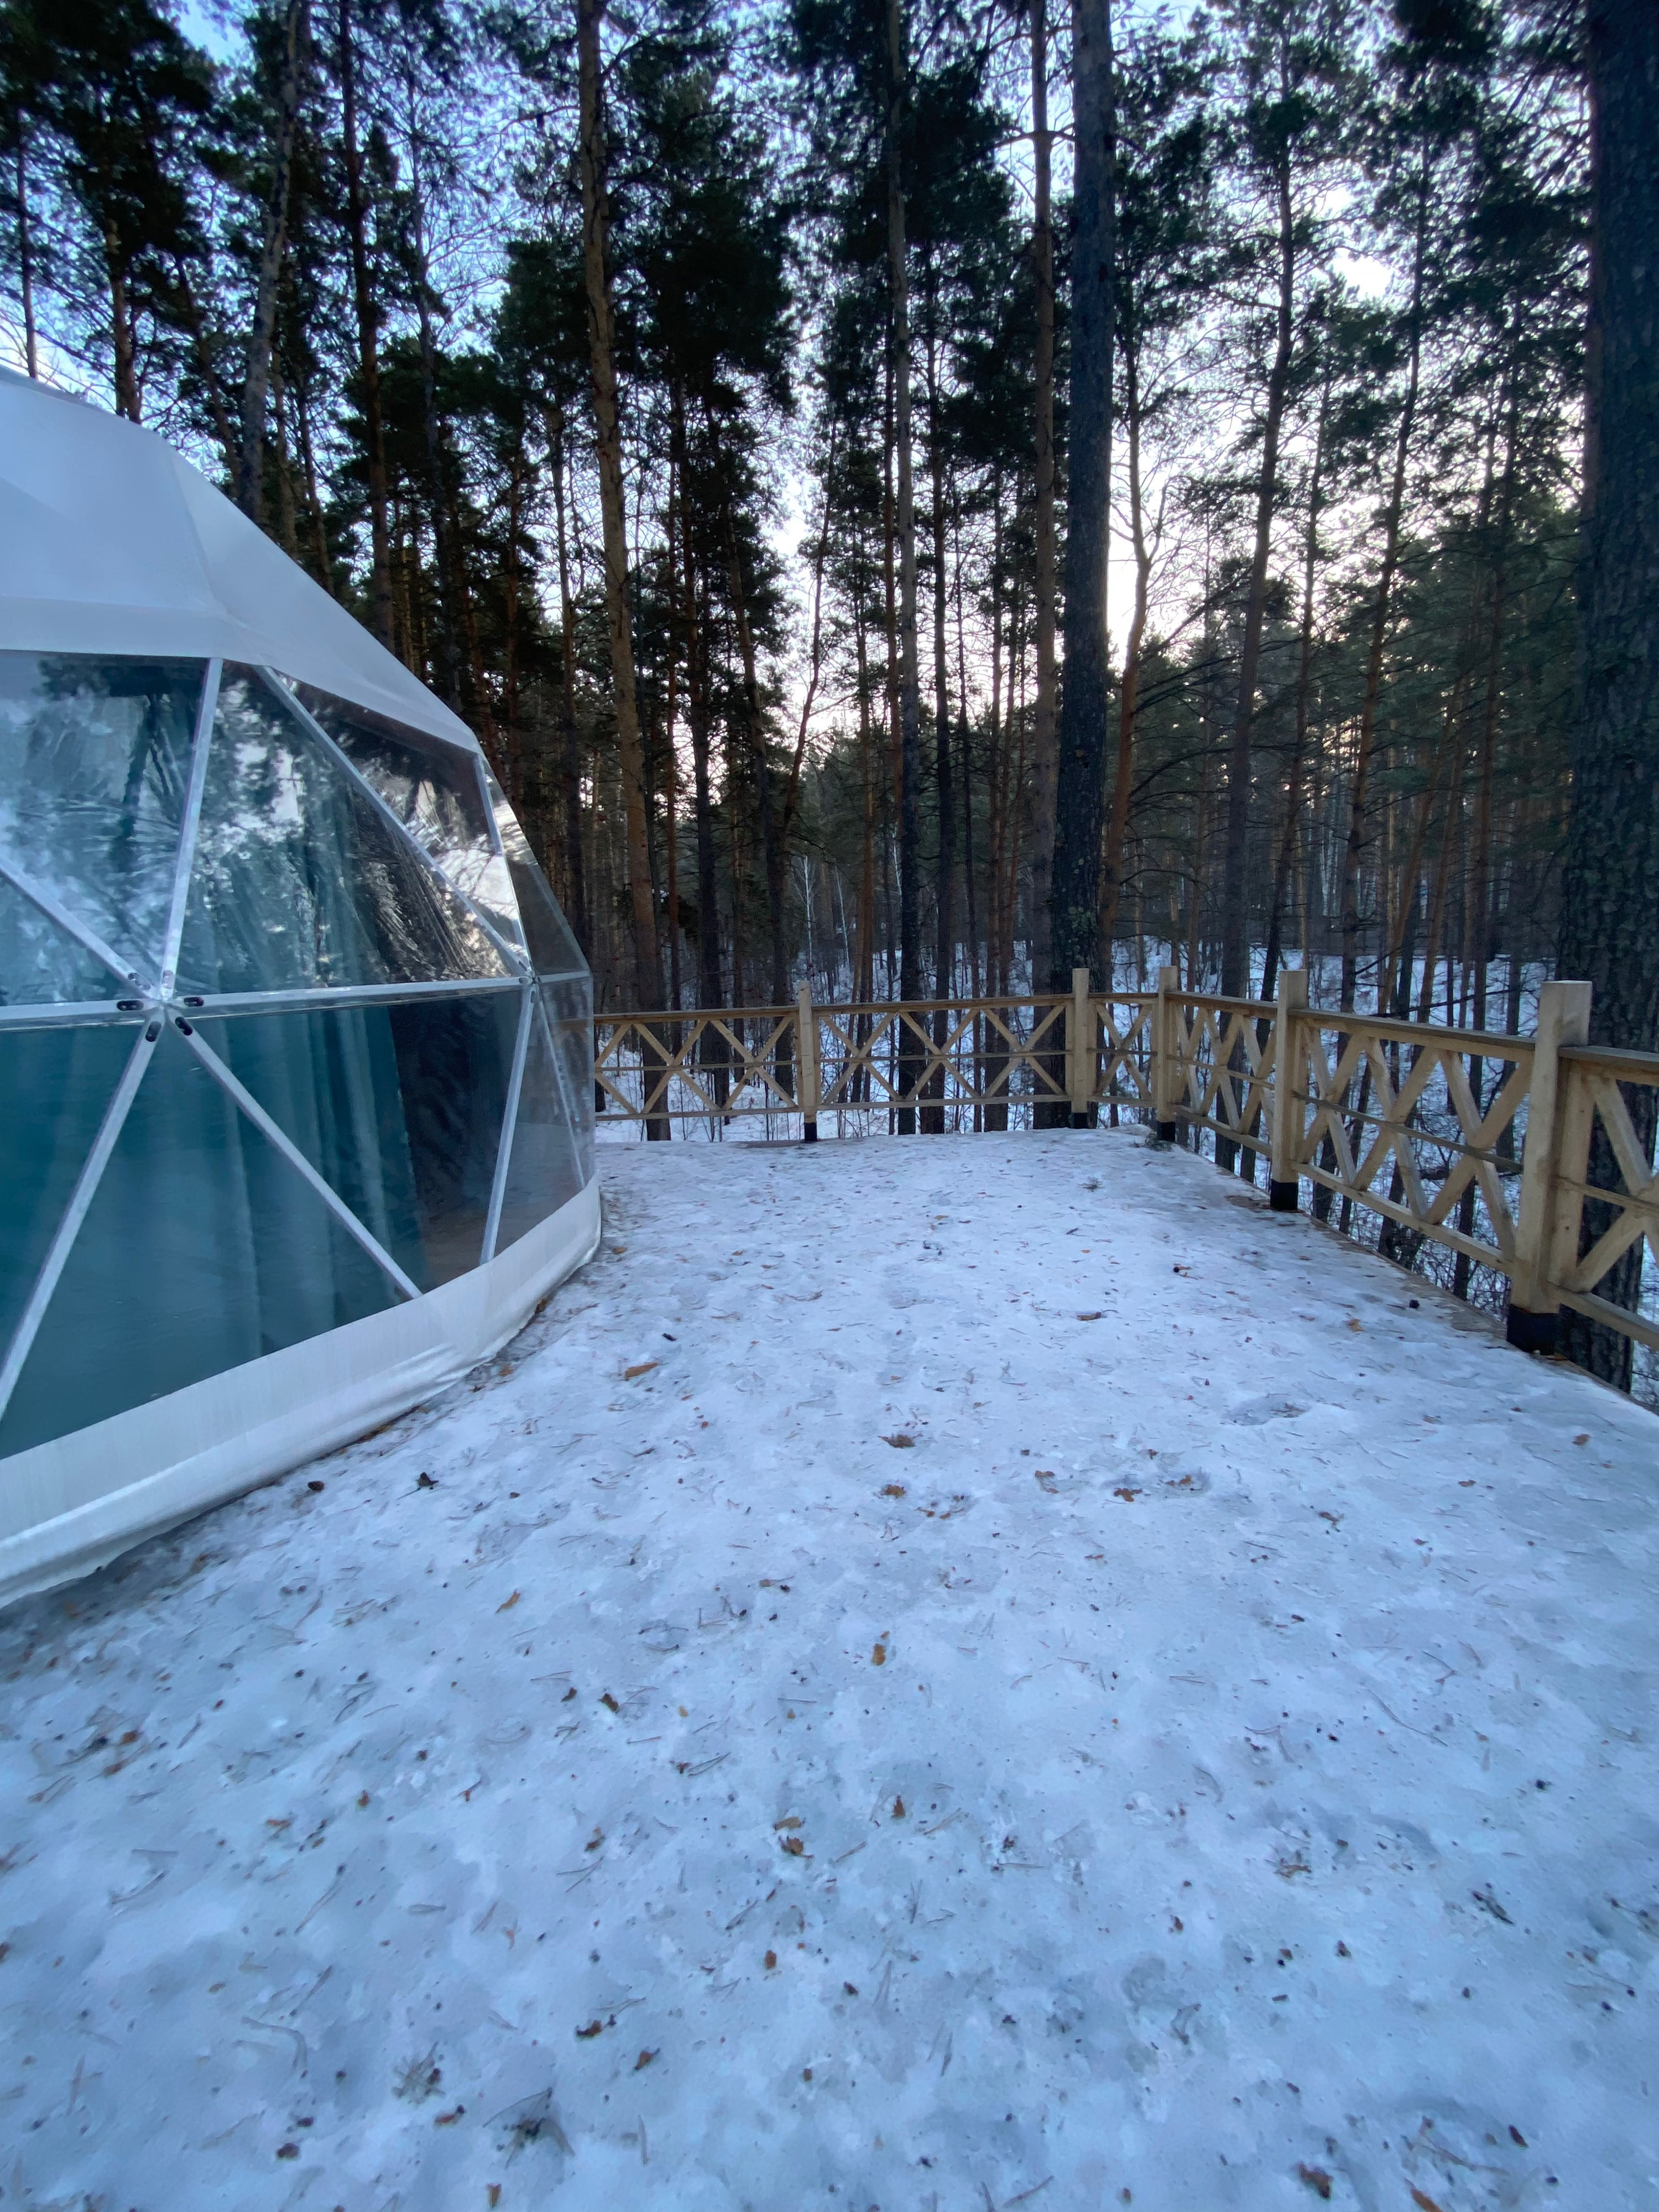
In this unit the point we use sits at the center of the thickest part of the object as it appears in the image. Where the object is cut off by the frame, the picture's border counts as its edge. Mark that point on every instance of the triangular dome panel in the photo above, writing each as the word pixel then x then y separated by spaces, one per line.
pixel 299 882
pixel 95 768
pixel 42 965
pixel 202 1249
pixel 55 1086
pixel 545 1167
pixel 433 790
pixel 398 1108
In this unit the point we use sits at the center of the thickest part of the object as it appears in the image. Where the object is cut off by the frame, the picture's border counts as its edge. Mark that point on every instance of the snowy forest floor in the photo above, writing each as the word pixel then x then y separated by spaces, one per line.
pixel 948 1673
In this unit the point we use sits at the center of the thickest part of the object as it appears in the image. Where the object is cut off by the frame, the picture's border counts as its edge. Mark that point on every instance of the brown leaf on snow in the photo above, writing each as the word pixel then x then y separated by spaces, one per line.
pixel 1316 2178
pixel 1092 1316
pixel 644 2059
pixel 878 1656
pixel 771 1961
pixel 794 1846
pixel 507 1603
pixel 586 2035
pixel 898 1809
pixel 644 1367
pixel 1423 2201
pixel 790 1820
pixel 605 1698
pixel 900 1443
pixel 892 1489
pixel 1126 1493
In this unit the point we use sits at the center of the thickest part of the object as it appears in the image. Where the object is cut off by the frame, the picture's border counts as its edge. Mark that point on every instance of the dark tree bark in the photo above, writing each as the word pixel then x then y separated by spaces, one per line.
pixel 602 351
pixel 368 323
pixel 1080 791
pixel 1610 896
pixel 909 681
pixel 1234 866
pixel 1044 762
pixel 25 251
pixel 570 748
pixel 256 383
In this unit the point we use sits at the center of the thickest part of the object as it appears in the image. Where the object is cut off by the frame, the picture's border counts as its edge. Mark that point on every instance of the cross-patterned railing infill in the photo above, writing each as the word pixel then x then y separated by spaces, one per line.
pixel 1532 1157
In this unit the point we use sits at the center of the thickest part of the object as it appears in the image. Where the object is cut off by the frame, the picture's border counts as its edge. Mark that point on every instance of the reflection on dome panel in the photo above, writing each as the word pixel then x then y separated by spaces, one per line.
pixel 41 964
pixel 202 1249
pixel 54 1087
pixel 550 939
pixel 95 767
pixel 298 880
pixel 432 789
pixel 546 1165
pixel 569 1007
pixel 397 1107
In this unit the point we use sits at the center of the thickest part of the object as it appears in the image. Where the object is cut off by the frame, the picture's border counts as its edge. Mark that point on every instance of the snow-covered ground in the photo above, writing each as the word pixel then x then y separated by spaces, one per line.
pixel 941 1673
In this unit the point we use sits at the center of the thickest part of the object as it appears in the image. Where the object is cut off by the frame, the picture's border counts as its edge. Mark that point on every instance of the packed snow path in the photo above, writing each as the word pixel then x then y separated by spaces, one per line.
pixel 940 1674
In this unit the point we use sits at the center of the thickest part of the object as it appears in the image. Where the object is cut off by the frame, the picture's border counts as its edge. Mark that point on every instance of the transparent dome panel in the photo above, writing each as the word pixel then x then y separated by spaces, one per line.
pixel 299 881
pixel 567 1007
pixel 398 1108
pixel 548 936
pixel 95 767
pixel 433 788
pixel 54 1087
pixel 41 964
pixel 545 1166
pixel 203 1249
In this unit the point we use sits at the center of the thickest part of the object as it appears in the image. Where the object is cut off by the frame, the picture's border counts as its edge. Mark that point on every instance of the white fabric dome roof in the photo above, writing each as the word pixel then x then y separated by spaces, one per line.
pixel 111 542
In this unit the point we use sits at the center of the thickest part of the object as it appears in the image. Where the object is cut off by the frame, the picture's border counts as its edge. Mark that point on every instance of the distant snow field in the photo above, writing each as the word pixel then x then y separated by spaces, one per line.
pixel 942 1672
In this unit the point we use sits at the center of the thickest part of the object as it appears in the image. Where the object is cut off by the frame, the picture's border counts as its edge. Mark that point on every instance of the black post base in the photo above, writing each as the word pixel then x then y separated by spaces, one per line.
pixel 1532 1332
pixel 1080 1121
pixel 1167 1131
pixel 1282 1196
pixel 813 1131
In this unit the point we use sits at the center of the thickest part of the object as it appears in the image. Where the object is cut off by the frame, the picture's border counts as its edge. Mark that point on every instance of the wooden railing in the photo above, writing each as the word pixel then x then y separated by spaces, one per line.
pixel 1532 1156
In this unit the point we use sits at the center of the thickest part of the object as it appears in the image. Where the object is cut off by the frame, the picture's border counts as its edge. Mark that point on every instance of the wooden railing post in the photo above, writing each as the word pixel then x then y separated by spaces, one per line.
pixel 1166 1065
pixel 807 1062
pixel 1081 1050
pixel 1284 1181
pixel 1545 1227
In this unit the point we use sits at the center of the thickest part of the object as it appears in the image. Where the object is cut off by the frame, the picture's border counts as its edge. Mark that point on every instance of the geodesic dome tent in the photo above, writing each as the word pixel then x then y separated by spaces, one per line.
pixel 295 1045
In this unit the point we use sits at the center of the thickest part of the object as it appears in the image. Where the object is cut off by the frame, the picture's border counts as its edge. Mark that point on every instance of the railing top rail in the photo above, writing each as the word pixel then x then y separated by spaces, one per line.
pixel 1612 1060
pixel 1491 1044
pixel 840 1007
pixel 1261 1008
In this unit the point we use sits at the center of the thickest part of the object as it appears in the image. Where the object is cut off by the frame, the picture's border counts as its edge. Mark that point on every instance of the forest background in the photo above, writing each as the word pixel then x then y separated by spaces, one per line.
pixel 732 412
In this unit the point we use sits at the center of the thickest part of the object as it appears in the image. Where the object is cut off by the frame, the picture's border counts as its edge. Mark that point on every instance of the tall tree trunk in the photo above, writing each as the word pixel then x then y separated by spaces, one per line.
pixel 909 681
pixel 120 326
pixel 933 1117
pixel 1117 820
pixel 602 348
pixel 944 954
pixel 1610 896
pixel 1080 785
pixel 368 318
pixel 772 856
pixel 570 752
pixel 1303 698
pixel 1044 762
pixel 1234 866
pixel 1367 740
pixel 25 251
pixel 249 475
pixel 313 500
pixel 709 992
